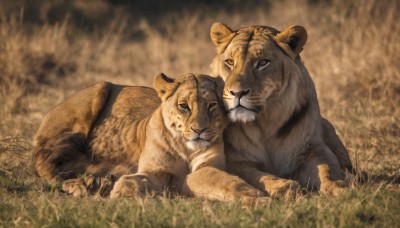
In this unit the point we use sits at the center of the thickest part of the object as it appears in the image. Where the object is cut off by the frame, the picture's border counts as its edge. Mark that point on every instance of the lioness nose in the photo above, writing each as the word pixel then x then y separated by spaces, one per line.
pixel 198 130
pixel 239 94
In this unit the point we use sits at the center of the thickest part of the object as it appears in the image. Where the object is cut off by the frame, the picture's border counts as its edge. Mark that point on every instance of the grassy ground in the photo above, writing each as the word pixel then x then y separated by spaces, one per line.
pixel 51 49
pixel 28 203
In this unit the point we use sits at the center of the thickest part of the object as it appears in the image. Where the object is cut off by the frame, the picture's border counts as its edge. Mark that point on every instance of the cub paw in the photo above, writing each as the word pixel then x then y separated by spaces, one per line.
pixel 126 186
pixel 75 187
pixel 106 185
pixel 250 192
pixel 255 201
pixel 283 188
pixel 332 188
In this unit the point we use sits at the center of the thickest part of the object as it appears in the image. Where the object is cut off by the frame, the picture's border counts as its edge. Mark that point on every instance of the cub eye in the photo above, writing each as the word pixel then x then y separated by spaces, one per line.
pixel 229 62
pixel 184 107
pixel 263 63
pixel 212 105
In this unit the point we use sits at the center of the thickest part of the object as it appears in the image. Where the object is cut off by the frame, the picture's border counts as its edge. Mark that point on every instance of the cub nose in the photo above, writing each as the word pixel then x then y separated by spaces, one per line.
pixel 239 94
pixel 198 130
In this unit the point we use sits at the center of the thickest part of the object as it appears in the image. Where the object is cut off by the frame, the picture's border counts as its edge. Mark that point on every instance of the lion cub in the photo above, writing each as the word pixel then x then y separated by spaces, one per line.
pixel 119 130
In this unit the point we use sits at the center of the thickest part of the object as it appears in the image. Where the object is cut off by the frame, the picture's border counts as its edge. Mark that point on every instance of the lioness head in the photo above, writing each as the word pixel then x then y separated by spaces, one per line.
pixel 192 108
pixel 256 64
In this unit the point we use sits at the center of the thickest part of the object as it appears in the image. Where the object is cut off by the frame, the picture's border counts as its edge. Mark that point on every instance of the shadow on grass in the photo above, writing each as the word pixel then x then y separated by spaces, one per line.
pixel 364 177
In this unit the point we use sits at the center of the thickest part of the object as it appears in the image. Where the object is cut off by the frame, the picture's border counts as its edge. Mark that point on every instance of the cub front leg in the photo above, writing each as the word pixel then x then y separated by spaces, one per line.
pixel 275 187
pixel 139 184
pixel 89 185
pixel 321 171
pixel 214 184
pixel 76 187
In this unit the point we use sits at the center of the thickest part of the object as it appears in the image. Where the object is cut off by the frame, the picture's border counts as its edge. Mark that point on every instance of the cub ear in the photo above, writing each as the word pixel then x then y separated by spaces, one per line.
pixel 221 35
pixel 164 85
pixel 220 86
pixel 292 40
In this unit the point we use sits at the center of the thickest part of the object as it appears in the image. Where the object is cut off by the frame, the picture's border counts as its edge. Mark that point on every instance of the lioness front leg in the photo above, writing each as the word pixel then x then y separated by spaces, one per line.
pixel 280 187
pixel 139 184
pixel 214 184
pixel 328 185
pixel 321 171
pixel 275 187
pixel 335 145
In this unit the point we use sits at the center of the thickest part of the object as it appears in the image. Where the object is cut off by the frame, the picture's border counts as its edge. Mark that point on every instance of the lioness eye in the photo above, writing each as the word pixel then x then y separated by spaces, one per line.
pixel 184 107
pixel 263 63
pixel 229 62
pixel 212 106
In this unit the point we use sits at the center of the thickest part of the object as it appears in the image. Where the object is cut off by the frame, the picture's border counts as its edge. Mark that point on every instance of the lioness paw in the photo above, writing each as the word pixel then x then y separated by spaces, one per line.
pixel 282 188
pixel 332 188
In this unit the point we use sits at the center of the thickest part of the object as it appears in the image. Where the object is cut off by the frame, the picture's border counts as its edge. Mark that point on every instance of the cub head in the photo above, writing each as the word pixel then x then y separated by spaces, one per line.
pixel 192 108
pixel 257 64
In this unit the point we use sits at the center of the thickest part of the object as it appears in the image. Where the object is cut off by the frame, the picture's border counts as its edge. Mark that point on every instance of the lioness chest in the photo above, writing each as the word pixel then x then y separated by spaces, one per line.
pixel 250 144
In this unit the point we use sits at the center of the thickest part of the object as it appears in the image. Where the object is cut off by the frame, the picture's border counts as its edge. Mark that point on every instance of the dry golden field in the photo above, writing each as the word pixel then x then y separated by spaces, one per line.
pixel 51 49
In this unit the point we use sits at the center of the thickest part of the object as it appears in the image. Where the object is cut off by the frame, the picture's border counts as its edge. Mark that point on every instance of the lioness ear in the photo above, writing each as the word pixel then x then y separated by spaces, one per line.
pixel 164 85
pixel 221 35
pixel 292 40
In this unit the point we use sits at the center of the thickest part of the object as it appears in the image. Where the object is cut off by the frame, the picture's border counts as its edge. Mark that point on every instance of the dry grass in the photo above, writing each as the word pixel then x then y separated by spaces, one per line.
pixel 352 54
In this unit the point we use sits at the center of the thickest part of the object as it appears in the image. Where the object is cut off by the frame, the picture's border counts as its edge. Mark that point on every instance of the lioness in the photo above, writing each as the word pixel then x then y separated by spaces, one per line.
pixel 278 138
pixel 175 143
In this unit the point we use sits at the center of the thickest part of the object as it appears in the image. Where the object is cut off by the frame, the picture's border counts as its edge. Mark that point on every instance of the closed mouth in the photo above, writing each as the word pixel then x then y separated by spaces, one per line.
pixel 198 143
pixel 198 140
pixel 256 109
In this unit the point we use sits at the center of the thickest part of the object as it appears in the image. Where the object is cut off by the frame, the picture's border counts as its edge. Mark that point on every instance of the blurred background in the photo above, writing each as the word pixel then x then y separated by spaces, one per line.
pixel 51 49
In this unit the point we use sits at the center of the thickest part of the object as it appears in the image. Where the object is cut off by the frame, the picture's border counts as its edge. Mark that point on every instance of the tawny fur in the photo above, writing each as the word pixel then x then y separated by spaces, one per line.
pixel 278 141
pixel 151 145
